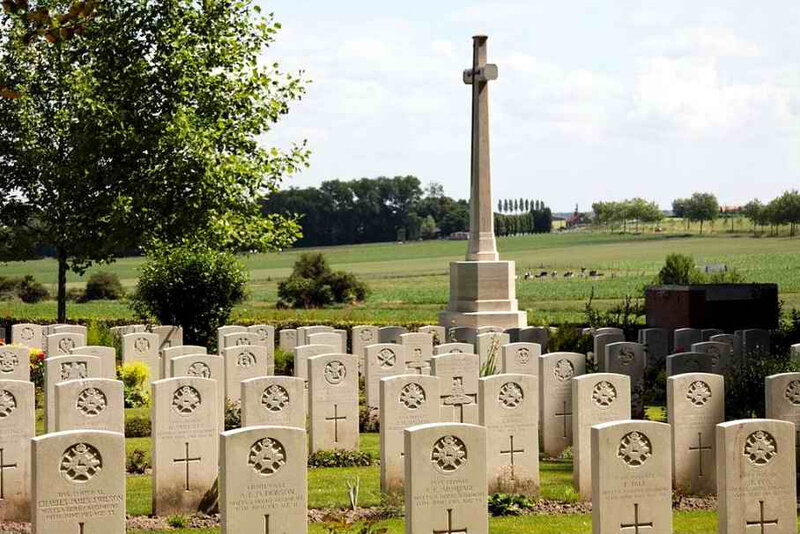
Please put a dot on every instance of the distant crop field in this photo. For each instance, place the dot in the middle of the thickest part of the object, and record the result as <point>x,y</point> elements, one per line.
<point>409,281</point>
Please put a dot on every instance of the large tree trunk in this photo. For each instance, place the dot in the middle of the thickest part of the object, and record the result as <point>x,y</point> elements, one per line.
<point>62,286</point>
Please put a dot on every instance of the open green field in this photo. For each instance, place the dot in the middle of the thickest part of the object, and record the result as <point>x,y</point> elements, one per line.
<point>409,281</point>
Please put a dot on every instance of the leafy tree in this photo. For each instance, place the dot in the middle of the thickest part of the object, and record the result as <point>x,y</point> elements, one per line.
<point>428,228</point>
<point>679,269</point>
<point>702,207</point>
<point>139,122</point>
<point>313,284</point>
<point>499,206</point>
<point>506,206</point>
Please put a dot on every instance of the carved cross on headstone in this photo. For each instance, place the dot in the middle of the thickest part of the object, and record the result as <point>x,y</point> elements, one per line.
<point>266,524</point>
<point>761,523</point>
<point>636,525</point>
<point>511,452</point>
<point>564,413</point>
<point>458,398</point>
<point>700,450</point>
<point>80,526</point>
<point>3,467</point>
<point>336,420</point>
<point>187,460</point>
<point>416,363</point>
<point>482,245</point>
<point>450,529</point>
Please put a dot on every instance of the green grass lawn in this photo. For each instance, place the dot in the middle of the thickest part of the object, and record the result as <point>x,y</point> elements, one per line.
<point>409,281</point>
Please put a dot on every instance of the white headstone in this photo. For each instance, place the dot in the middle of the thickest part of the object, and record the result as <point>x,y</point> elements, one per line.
<point>243,362</point>
<point>173,352</point>
<point>62,344</point>
<point>17,419</point>
<point>274,401</point>
<point>521,358</point>
<point>203,366</point>
<point>89,404</point>
<point>458,394</point>
<point>108,355</point>
<point>15,363</point>
<point>382,360</point>
<point>63,368</point>
<point>333,402</point>
<point>556,370</point>
<point>27,334</point>
<point>142,347</point>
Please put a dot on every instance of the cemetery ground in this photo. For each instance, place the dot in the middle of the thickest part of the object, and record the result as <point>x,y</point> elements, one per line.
<point>409,281</point>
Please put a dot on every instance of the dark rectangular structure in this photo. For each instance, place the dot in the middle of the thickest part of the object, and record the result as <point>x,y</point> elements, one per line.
<point>729,307</point>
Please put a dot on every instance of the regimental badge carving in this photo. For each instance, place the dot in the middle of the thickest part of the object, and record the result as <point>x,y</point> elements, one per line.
<point>699,393</point>
<point>412,396</point>
<point>275,398</point>
<point>141,345</point>
<point>335,372</point>
<point>366,335</point>
<point>564,370</point>
<point>186,400</point>
<point>387,358</point>
<point>8,361</point>
<point>267,456</point>
<point>7,403</point>
<point>634,449</point>
<point>626,356</point>
<point>511,395</point>
<point>244,340</point>
<point>449,454</point>
<point>65,345</point>
<point>91,402</point>
<point>455,351</point>
<point>262,334</point>
<point>200,369</point>
<point>27,333</point>
<point>74,370</point>
<point>245,359</point>
<point>80,463</point>
<point>715,353</point>
<point>760,448</point>
<point>523,356</point>
<point>793,392</point>
<point>604,394</point>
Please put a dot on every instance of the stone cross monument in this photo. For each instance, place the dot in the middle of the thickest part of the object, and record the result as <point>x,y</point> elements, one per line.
<point>483,288</point>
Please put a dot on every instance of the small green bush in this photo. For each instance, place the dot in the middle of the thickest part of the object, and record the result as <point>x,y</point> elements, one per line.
<point>104,286</point>
<point>313,284</point>
<point>744,383</point>
<point>568,338</point>
<point>138,427</point>
<point>136,462</point>
<point>135,377</point>
<point>9,287</point>
<point>503,504</point>
<point>190,286</point>
<point>284,363</point>
<point>178,521</point>
<point>30,291</point>
<point>233,414</point>
<point>340,458</point>
<point>76,294</point>
<point>678,269</point>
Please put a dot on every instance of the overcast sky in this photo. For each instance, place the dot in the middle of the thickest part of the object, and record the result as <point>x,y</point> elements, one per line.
<point>596,100</point>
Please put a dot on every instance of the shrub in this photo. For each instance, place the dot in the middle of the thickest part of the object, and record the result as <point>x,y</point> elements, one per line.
<point>678,269</point>
<point>75,294</point>
<point>193,287</point>
<point>138,427</point>
<point>568,338</point>
<point>136,463</point>
<point>744,383</point>
<point>233,414</point>
<point>502,504</point>
<point>284,363</point>
<point>177,521</point>
<point>98,334</point>
<point>37,358</point>
<point>340,458</point>
<point>313,284</point>
<point>31,291</point>
<point>135,377</point>
<point>9,287</point>
<point>104,286</point>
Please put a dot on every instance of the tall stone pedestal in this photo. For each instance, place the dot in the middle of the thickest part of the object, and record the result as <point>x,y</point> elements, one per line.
<point>483,293</point>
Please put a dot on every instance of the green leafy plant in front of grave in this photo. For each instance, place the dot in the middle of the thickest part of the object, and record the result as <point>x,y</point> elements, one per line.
<point>353,489</point>
<point>137,426</point>
<point>135,378</point>
<point>284,362</point>
<point>99,335</point>
<point>568,338</point>
<point>503,504</point>
<point>340,458</point>
<point>37,358</point>
<point>744,382</point>
<point>136,463</point>
<point>178,521</point>
<point>489,367</point>
<point>233,414</point>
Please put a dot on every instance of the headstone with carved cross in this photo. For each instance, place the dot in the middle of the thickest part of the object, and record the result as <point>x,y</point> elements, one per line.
<point>458,395</point>
<point>27,334</point>
<point>185,437</point>
<point>243,362</point>
<point>629,359</point>
<point>405,401</point>
<point>263,480</point>
<point>419,346</point>
<point>631,482</point>
<point>446,484</point>
<point>203,366</point>
<point>59,369</point>
<point>596,398</point>
<point>274,401</point>
<point>756,488</point>
<point>90,404</point>
<point>78,483</point>
<point>556,370</point>
<point>16,430</point>
<point>509,411</point>
<point>382,360</point>
<point>783,403</point>
<point>521,358</point>
<point>695,405</point>
<point>142,347</point>
<point>333,402</point>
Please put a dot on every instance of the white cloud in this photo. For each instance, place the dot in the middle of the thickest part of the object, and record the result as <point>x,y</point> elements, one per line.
<point>702,41</point>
